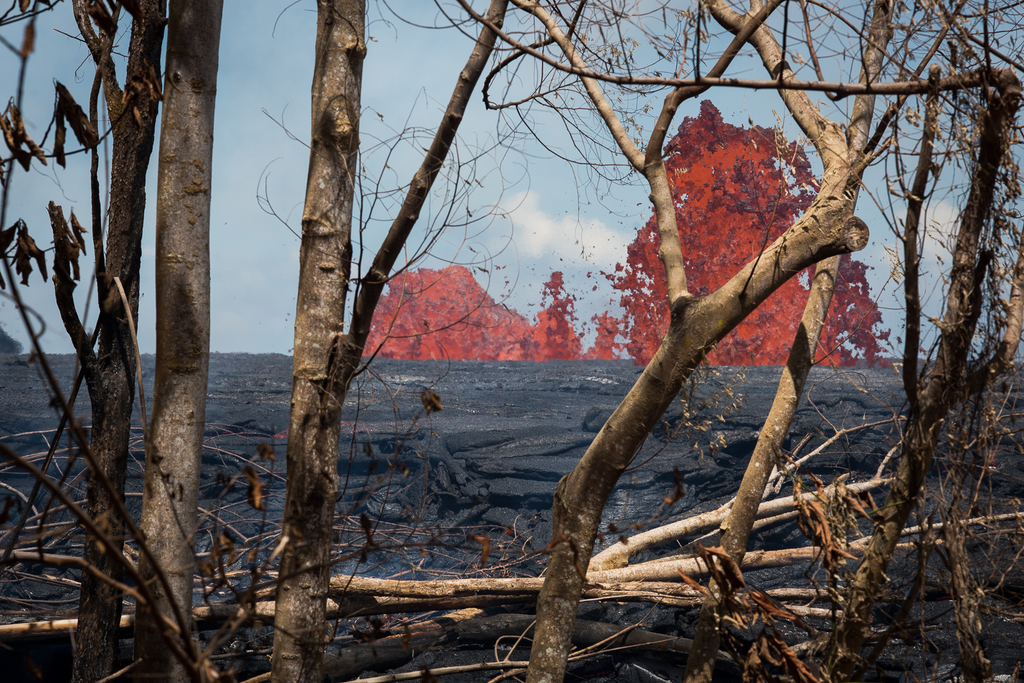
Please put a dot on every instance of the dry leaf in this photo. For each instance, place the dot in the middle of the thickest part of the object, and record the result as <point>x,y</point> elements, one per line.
<point>485,542</point>
<point>797,669</point>
<point>226,545</point>
<point>67,245</point>
<point>772,609</point>
<point>142,82</point>
<point>28,43</point>
<point>729,577</point>
<point>101,16</point>
<point>367,525</point>
<point>255,492</point>
<point>431,401</point>
<point>80,124</point>
<point>25,251</point>
<point>59,137</point>
<point>690,582</point>
<point>79,231</point>
<point>15,136</point>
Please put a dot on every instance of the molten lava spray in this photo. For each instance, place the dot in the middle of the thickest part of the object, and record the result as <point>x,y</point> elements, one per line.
<point>735,190</point>
<point>430,314</point>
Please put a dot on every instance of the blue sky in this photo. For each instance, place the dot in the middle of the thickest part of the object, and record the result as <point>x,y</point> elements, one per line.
<point>546,214</point>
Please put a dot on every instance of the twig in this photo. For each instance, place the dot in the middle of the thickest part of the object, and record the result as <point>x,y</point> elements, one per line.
<point>119,673</point>
<point>776,475</point>
<point>138,357</point>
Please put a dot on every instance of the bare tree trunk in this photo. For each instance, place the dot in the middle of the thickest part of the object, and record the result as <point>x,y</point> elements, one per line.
<point>947,380</point>
<point>325,358</point>
<point>110,371</point>
<point>174,450</point>
<point>318,386</point>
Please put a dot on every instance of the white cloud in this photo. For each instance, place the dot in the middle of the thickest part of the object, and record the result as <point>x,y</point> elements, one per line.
<point>941,220</point>
<point>538,235</point>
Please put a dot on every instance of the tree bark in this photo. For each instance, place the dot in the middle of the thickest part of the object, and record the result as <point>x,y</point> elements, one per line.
<point>174,449</point>
<point>110,371</point>
<point>736,528</point>
<point>318,387</point>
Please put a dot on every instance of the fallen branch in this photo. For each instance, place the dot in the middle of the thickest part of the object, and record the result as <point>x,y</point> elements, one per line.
<point>672,593</point>
<point>617,556</point>
<point>656,581</point>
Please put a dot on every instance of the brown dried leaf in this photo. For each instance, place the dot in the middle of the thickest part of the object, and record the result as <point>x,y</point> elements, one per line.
<point>28,43</point>
<point>205,567</point>
<point>729,577</point>
<point>24,5</point>
<point>766,651</point>
<point>66,247</point>
<point>690,582</point>
<point>772,609</point>
<point>753,669</point>
<point>485,543</point>
<point>26,251</point>
<point>101,16</point>
<point>79,231</point>
<point>678,492</point>
<point>58,141</point>
<point>367,525</point>
<point>266,452</point>
<point>15,136</point>
<point>856,500</point>
<point>226,545</point>
<point>142,82</point>
<point>255,492</point>
<point>800,672</point>
<point>431,401</point>
<point>80,124</point>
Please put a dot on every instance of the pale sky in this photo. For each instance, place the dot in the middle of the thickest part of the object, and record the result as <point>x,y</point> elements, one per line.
<point>561,220</point>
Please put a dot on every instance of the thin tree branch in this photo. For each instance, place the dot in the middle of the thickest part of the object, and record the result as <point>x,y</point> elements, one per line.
<point>604,108</point>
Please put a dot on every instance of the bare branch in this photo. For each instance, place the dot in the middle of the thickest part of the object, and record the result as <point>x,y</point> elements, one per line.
<point>604,108</point>
<point>911,237</point>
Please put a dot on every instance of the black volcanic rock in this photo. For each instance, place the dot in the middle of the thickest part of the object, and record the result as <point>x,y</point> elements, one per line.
<point>488,463</point>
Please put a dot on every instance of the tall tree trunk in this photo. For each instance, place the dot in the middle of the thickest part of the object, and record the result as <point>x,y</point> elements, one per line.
<point>325,359</point>
<point>318,385</point>
<point>175,444</point>
<point>110,371</point>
